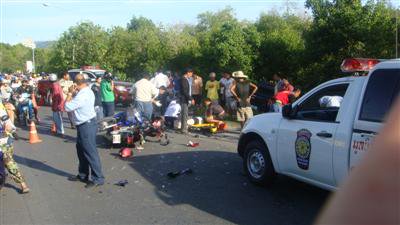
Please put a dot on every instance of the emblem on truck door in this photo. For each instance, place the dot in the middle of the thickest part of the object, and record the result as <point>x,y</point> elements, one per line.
<point>303,148</point>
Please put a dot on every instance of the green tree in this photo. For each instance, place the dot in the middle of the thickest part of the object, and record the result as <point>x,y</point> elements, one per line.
<point>226,44</point>
<point>138,23</point>
<point>14,57</point>
<point>282,45</point>
<point>118,51</point>
<point>346,28</point>
<point>147,52</point>
<point>182,47</point>
<point>83,44</point>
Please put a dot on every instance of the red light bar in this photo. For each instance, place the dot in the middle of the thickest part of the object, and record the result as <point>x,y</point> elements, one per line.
<point>358,64</point>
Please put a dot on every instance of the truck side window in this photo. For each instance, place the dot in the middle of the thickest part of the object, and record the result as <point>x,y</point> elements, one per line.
<point>382,89</point>
<point>323,105</point>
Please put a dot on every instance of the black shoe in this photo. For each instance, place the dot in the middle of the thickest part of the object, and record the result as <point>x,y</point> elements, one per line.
<point>78,178</point>
<point>92,185</point>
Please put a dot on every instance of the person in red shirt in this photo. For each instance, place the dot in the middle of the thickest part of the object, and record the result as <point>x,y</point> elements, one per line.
<point>57,103</point>
<point>279,100</point>
<point>283,98</point>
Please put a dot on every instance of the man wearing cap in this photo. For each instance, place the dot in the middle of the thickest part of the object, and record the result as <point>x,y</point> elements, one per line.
<point>243,90</point>
<point>80,101</point>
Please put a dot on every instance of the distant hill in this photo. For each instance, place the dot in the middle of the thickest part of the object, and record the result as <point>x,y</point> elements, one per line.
<point>44,44</point>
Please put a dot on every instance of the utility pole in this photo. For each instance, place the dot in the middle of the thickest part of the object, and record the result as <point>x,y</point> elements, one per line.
<point>73,55</point>
<point>33,61</point>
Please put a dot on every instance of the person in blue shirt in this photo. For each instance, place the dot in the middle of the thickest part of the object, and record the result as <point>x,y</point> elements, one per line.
<point>80,100</point>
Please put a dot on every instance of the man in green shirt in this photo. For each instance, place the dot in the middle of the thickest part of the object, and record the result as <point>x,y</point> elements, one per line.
<point>107,95</point>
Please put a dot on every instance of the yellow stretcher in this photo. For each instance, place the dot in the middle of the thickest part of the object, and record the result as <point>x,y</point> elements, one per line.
<point>210,127</point>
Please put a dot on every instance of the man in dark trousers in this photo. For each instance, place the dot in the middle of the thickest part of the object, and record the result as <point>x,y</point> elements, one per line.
<point>80,100</point>
<point>186,98</point>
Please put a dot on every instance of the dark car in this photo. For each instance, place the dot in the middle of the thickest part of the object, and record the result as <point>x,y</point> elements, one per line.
<point>260,98</point>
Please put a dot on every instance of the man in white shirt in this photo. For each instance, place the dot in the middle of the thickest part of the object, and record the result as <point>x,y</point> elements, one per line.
<point>145,92</point>
<point>160,80</point>
<point>172,113</point>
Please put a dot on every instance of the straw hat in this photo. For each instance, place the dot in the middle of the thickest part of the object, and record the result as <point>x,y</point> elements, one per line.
<point>239,74</point>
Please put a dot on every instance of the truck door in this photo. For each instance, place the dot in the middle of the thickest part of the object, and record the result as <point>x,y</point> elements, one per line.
<point>381,91</point>
<point>305,143</point>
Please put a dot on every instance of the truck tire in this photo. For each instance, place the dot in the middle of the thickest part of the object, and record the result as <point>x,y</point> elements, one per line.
<point>257,163</point>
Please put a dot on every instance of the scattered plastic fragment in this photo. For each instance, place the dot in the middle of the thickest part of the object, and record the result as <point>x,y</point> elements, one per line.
<point>125,152</point>
<point>192,144</point>
<point>122,183</point>
<point>178,173</point>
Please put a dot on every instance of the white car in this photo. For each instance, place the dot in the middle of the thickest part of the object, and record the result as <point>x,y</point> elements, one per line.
<point>320,143</point>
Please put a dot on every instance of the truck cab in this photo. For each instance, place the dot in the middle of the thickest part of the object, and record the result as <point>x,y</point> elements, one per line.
<point>317,141</point>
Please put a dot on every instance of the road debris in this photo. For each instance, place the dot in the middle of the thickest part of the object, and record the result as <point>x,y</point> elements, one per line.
<point>192,144</point>
<point>178,173</point>
<point>122,183</point>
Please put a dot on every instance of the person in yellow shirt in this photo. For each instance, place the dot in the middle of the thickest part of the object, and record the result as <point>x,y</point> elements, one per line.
<point>212,87</point>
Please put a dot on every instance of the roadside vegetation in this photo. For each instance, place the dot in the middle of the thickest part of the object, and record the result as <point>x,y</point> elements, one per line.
<point>306,49</point>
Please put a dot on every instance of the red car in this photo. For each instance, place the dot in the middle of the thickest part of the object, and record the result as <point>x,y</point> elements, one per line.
<point>122,90</point>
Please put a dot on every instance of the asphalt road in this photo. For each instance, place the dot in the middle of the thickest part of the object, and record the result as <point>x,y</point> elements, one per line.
<point>216,193</point>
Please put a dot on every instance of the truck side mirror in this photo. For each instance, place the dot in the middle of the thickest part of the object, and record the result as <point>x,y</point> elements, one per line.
<point>288,111</point>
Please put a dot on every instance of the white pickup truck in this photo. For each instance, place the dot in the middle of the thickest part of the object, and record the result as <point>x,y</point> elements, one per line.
<point>320,143</point>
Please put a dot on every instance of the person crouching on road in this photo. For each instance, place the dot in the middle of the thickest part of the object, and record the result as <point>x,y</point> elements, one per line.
<point>80,101</point>
<point>7,129</point>
<point>107,95</point>
<point>57,104</point>
<point>145,92</point>
<point>214,112</point>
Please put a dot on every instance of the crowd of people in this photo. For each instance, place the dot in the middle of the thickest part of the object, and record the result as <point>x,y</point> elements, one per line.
<point>173,98</point>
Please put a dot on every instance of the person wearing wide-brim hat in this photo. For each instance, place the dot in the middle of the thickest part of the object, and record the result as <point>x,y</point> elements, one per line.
<point>243,90</point>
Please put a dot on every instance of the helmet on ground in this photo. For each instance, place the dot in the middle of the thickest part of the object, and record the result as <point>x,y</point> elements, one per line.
<point>53,77</point>
<point>125,152</point>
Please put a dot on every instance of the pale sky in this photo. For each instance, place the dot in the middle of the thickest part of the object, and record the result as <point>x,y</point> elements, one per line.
<point>46,20</point>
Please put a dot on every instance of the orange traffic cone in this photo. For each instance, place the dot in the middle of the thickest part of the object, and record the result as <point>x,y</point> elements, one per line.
<point>33,136</point>
<point>53,128</point>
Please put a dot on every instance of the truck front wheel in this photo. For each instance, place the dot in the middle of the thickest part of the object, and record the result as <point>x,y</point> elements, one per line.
<point>257,163</point>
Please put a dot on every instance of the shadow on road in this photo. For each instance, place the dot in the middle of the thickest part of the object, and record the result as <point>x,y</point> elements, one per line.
<point>35,164</point>
<point>218,186</point>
